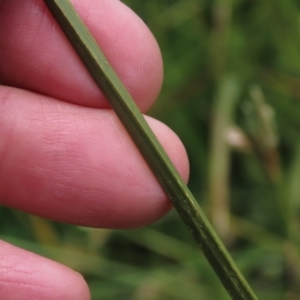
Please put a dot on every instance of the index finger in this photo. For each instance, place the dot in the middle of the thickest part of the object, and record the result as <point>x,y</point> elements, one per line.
<point>35,54</point>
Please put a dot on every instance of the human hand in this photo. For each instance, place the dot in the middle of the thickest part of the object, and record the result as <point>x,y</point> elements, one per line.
<point>64,155</point>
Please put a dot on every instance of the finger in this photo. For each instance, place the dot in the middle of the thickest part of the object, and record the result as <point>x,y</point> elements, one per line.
<point>35,55</point>
<point>25,276</point>
<point>76,164</point>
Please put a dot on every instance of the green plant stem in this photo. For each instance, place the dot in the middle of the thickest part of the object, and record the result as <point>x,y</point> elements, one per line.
<point>154,154</point>
<point>220,155</point>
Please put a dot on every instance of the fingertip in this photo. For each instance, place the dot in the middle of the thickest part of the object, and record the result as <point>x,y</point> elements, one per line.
<point>37,56</point>
<point>24,276</point>
<point>79,165</point>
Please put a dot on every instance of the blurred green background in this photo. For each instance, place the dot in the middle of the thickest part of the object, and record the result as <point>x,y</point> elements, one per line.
<point>232,94</point>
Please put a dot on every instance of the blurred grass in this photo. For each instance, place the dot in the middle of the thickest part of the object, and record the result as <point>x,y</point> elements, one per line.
<point>232,94</point>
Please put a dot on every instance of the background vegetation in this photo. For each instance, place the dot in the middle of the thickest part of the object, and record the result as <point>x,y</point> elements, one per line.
<point>232,93</point>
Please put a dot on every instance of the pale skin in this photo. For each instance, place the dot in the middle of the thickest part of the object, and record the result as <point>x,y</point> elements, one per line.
<point>64,154</point>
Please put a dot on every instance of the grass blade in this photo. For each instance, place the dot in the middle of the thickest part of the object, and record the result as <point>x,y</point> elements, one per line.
<point>159,162</point>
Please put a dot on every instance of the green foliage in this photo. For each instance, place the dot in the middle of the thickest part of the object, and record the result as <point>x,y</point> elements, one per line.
<point>243,145</point>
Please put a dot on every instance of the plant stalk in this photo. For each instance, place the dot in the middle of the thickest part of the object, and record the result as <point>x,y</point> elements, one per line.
<point>152,151</point>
